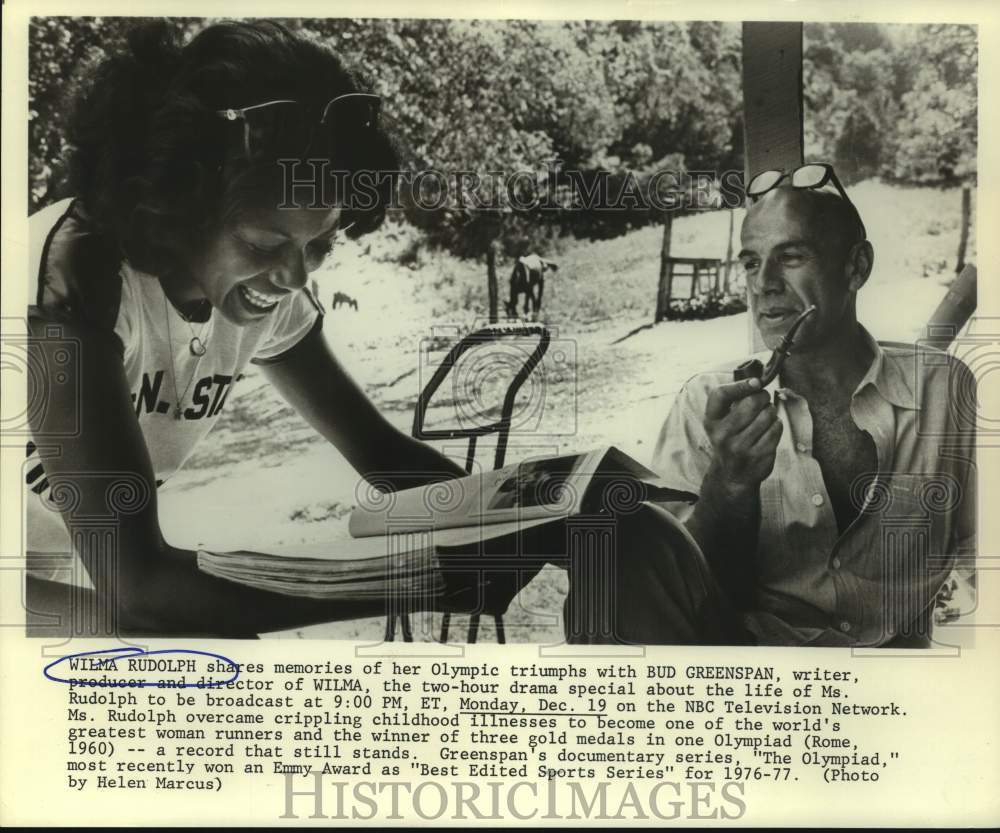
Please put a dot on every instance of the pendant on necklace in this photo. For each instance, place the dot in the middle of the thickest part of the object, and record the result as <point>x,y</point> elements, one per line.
<point>177,411</point>
<point>196,346</point>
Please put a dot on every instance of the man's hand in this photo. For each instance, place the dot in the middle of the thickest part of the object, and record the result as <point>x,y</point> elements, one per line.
<point>744,429</point>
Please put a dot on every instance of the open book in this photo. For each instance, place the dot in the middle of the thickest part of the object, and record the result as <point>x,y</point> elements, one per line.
<point>395,539</point>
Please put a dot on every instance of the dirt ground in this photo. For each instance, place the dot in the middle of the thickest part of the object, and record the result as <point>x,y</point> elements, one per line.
<point>263,479</point>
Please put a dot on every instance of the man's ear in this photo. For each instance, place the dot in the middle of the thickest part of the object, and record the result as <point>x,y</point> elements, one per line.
<point>859,265</point>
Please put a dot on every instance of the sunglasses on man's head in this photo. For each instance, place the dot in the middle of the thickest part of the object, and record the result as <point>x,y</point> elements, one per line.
<point>288,129</point>
<point>811,176</point>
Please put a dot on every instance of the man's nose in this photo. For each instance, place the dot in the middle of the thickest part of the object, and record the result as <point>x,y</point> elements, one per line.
<point>292,275</point>
<point>769,278</point>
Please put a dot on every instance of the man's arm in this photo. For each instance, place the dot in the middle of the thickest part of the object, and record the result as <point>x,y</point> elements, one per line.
<point>153,587</point>
<point>725,523</point>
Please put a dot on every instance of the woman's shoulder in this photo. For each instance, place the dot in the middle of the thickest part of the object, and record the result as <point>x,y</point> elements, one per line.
<point>74,271</point>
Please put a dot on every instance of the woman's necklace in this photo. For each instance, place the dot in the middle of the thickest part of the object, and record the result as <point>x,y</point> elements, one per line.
<point>196,346</point>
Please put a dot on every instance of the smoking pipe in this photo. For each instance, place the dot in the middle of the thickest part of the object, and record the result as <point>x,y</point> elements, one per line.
<point>752,368</point>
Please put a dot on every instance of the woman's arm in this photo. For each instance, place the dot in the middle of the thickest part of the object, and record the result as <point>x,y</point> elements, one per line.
<point>313,382</point>
<point>153,586</point>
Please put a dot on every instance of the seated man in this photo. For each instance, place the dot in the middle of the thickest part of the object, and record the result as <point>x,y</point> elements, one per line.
<point>833,513</point>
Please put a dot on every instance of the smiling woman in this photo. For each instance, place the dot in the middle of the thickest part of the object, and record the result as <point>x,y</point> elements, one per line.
<point>247,268</point>
<point>170,269</point>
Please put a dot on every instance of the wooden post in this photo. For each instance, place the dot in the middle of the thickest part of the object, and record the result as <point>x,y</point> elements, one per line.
<point>772,96</point>
<point>772,104</point>
<point>964,240</point>
<point>666,284</point>
<point>729,252</point>
<point>491,279</point>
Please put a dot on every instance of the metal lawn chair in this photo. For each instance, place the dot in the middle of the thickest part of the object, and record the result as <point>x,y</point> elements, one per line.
<point>501,428</point>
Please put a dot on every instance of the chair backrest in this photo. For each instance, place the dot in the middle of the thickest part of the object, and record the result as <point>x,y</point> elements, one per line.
<point>954,310</point>
<point>501,427</point>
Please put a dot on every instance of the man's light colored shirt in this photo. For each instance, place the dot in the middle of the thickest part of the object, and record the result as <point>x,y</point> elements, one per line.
<point>879,578</point>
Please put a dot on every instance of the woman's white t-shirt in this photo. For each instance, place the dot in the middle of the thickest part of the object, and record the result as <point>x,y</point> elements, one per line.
<point>77,277</point>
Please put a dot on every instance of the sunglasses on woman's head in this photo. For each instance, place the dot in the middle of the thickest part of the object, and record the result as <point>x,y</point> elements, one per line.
<point>811,176</point>
<point>288,129</point>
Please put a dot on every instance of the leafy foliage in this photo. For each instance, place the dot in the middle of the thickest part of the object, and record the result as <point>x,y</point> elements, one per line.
<point>616,98</point>
<point>892,101</point>
<point>936,135</point>
<point>59,47</point>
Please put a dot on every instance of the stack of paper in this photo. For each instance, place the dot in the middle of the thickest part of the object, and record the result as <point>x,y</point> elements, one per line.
<point>342,569</point>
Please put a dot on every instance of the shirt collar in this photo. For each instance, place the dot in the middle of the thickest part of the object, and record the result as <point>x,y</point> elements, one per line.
<point>893,378</point>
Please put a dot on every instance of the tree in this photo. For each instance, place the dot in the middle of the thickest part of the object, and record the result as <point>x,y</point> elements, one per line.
<point>936,138</point>
<point>605,98</point>
<point>848,79</point>
<point>61,50</point>
<point>58,48</point>
<point>896,101</point>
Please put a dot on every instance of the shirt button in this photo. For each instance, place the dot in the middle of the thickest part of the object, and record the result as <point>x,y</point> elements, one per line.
<point>817,499</point>
<point>845,626</point>
<point>836,563</point>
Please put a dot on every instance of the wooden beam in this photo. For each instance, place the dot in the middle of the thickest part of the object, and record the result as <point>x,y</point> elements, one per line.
<point>772,96</point>
<point>772,104</point>
<point>966,216</point>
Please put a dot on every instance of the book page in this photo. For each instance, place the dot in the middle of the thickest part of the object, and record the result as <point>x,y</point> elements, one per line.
<point>531,490</point>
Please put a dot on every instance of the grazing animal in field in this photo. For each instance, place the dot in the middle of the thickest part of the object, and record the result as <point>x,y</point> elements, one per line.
<point>345,299</point>
<point>528,277</point>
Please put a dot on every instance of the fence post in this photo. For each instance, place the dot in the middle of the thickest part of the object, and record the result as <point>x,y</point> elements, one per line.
<point>729,252</point>
<point>666,284</point>
<point>491,279</point>
<point>772,104</point>
<point>964,240</point>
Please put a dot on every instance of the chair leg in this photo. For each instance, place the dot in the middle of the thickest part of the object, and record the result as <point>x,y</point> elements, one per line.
<point>390,627</point>
<point>470,457</point>
<point>445,622</point>
<point>473,629</point>
<point>501,636</point>
<point>404,620</point>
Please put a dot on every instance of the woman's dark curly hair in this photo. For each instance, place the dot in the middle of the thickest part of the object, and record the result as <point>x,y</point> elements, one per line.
<point>156,167</point>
